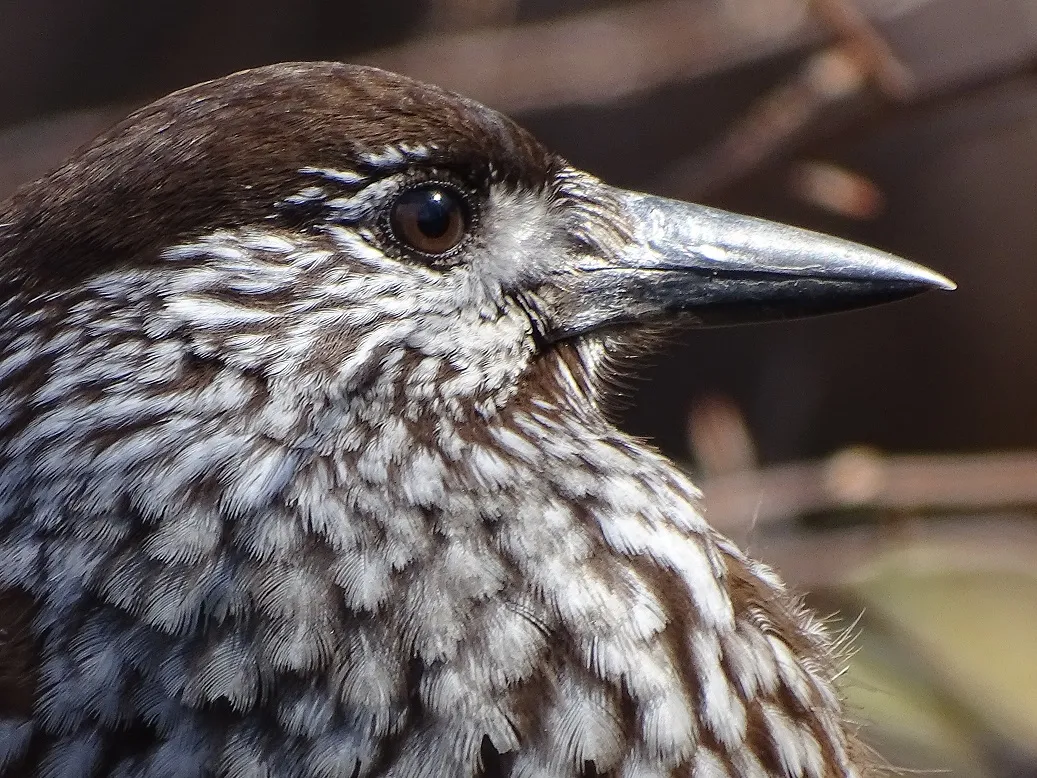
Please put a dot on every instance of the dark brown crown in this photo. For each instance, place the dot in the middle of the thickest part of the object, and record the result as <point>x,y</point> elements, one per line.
<point>220,154</point>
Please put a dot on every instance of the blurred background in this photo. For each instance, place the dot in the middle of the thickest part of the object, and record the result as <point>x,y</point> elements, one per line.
<point>885,460</point>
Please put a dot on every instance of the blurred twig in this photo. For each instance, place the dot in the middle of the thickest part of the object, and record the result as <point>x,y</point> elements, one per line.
<point>719,437</point>
<point>601,55</point>
<point>836,81</point>
<point>862,479</point>
<point>813,560</point>
<point>443,15</point>
<point>775,124</point>
<point>836,76</point>
<point>615,52</point>
<point>836,189</point>
<point>869,48</point>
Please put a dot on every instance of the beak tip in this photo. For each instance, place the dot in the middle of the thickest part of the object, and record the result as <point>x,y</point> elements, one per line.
<point>930,279</point>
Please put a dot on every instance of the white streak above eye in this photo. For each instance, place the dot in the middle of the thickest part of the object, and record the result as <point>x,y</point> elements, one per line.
<point>347,177</point>
<point>390,155</point>
<point>309,194</point>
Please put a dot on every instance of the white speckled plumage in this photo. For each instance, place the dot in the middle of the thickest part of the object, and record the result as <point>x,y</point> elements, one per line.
<point>287,504</point>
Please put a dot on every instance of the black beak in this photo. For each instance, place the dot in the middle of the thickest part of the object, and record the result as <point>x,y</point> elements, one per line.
<point>716,268</point>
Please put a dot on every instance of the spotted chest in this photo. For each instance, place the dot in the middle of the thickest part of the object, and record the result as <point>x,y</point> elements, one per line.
<point>400,605</point>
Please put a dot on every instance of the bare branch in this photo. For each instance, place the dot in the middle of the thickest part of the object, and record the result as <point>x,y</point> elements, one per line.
<point>813,560</point>
<point>862,479</point>
<point>603,55</point>
<point>617,52</point>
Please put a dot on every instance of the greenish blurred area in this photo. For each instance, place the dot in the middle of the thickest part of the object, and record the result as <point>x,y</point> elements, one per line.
<point>944,672</point>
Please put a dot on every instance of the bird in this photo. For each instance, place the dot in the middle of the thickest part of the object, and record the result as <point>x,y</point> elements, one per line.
<point>309,468</point>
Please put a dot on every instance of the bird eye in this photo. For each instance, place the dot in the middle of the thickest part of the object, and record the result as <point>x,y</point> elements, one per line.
<point>431,219</point>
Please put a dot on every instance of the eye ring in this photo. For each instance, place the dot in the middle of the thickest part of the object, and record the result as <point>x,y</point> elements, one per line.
<point>432,219</point>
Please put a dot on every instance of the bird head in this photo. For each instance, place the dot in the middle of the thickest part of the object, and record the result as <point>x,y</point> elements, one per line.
<point>344,232</point>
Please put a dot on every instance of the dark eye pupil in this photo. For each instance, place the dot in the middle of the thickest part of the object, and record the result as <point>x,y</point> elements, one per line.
<point>431,219</point>
<point>433,212</point>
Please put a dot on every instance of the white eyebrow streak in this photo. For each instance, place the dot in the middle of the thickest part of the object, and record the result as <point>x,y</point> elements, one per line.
<point>355,205</point>
<point>309,194</point>
<point>396,155</point>
<point>347,177</point>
